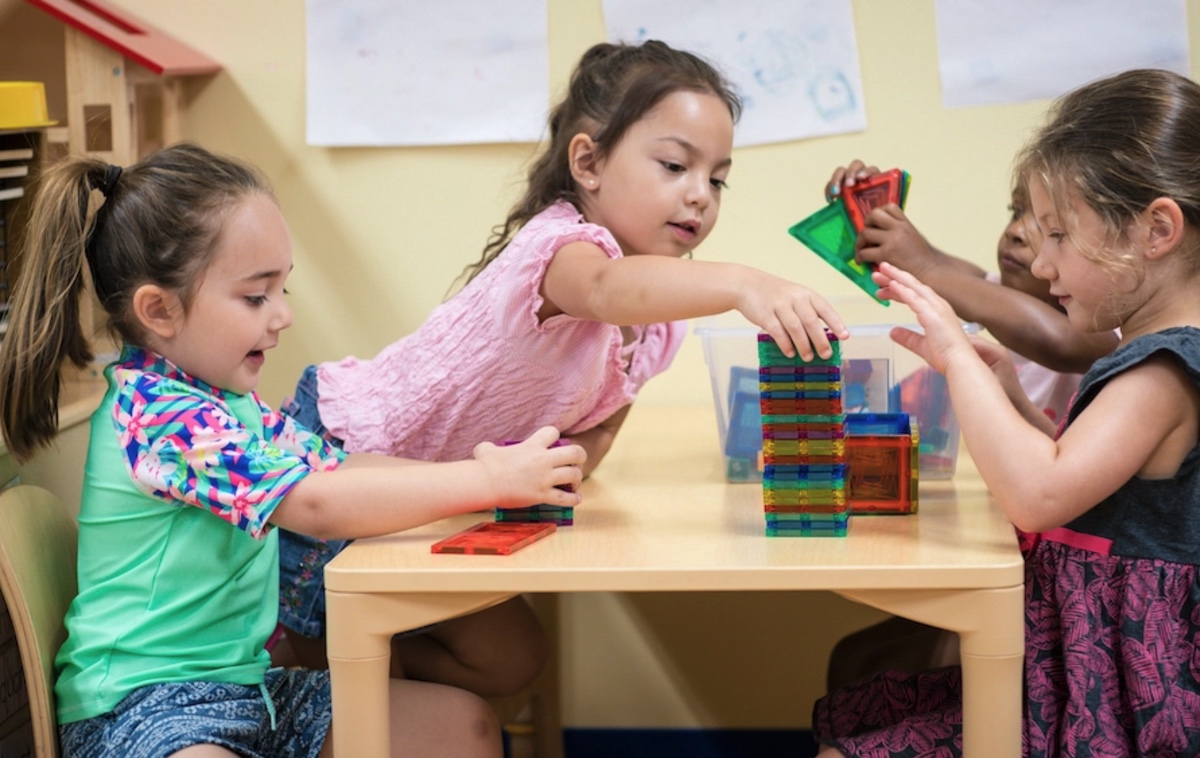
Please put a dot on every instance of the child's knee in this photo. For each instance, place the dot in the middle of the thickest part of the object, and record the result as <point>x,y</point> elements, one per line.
<point>525,662</point>
<point>481,719</point>
<point>442,720</point>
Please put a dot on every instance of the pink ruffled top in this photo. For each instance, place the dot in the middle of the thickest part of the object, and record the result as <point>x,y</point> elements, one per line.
<point>483,367</point>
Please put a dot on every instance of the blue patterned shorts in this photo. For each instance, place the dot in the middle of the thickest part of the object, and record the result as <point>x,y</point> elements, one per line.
<point>302,558</point>
<point>288,716</point>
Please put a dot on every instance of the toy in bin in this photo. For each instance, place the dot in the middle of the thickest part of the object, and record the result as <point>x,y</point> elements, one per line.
<point>832,231</point>
<point>877,378</point>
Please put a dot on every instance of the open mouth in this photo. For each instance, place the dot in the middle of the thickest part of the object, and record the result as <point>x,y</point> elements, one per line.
<point>690,227</point>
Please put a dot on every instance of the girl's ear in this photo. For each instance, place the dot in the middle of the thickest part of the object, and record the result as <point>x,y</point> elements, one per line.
<point>1165,227</point>
<point>160,311</point>
<point>584,160</point>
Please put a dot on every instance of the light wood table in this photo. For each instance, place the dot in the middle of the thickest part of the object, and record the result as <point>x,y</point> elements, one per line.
<point>658,516</point>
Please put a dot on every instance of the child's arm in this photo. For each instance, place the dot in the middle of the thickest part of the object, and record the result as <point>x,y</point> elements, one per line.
<point>583,282</point>
<point>1019,321</point>
<point>1142,423</point>
<point>369,495</point>
<point>1000,364</point>
<point>889,235</point>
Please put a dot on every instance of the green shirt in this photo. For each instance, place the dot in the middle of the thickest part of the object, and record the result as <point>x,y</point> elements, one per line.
<point>178,568</point>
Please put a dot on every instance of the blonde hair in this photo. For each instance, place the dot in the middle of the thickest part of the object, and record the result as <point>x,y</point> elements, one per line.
<point>157,224</point>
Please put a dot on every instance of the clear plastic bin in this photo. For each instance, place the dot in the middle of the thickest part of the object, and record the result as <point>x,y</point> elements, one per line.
<point>878,377</point>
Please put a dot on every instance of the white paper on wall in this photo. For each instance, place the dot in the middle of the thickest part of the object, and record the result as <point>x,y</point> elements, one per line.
<point>795,62</point>
<point>1004,51</point>
<point>451,72</point>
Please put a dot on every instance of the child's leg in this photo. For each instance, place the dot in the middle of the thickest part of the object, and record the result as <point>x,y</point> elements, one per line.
<point>433,719</point>
<point>493,652</point>
<point>203,751</point>
<point>896,643</point>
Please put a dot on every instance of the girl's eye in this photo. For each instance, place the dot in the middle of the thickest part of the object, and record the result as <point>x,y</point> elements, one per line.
<point>1057,236</point>
<point>674,168</point>
<point>256,300</point>
<point>718,184</point>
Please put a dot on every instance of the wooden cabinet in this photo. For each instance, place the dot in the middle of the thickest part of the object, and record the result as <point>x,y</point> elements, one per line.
<point>17,152</point>
<point>23,152</point>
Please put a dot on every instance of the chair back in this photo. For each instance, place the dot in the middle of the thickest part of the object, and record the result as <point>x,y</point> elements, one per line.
<point>37,581</point>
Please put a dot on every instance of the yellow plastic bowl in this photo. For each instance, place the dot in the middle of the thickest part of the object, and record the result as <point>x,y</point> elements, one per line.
<point>23,105</point>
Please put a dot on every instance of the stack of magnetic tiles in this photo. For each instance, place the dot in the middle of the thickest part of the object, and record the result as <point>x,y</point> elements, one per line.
<point>804,443</point>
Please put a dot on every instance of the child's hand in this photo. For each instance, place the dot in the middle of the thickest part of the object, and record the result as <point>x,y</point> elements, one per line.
<point>792,314</point>
<point>533,472</point>
<point>889,236</point>
<point>944,339</point>
<point>846,177</point>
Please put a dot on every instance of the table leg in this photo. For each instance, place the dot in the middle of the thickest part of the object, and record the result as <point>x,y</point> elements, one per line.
<point>360,627</point>
<point>991,628</point>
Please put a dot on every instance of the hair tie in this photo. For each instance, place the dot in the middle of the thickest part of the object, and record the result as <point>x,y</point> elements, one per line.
<point>109,181</point>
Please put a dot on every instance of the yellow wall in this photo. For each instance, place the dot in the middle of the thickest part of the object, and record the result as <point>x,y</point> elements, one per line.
<point>381,233</point>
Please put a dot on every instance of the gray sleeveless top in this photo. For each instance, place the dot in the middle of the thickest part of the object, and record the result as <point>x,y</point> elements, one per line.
<point>1158,518</point>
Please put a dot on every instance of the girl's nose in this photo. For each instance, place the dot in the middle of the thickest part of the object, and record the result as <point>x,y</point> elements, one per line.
<point>283,317</point>
<point>1016,233</point>
<point>699,193</point>
<point>1041,268</point>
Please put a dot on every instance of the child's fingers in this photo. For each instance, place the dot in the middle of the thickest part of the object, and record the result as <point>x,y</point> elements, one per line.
<point>846,177</point>
<point>569,455</point>
<point>819,341</point>
<point>908,339</point>
<point>830,318</point>
<point>805,329</point>
<point>544,437</point>
<point>808,340</point>
<point>895,273</point>
<point>901,285</point>
<point>567,481</point>
<point>885,217</point>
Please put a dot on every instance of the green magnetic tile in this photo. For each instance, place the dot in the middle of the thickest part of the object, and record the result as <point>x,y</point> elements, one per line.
<point>838,531</point>
<point>800,418</point>
<point>784,519</point>
<point>770,355</point>
<point>829,234</point>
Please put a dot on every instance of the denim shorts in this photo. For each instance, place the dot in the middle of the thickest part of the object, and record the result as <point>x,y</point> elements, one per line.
<point>302,558</point>
<point>288,715</point>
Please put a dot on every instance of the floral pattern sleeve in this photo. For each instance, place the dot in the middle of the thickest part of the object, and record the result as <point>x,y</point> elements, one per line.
<point>182,443</point>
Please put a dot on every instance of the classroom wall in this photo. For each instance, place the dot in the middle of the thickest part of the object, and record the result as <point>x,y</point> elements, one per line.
<point>380,234</point>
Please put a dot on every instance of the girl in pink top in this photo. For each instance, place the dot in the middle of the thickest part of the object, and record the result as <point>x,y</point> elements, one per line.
<point>578,299</point>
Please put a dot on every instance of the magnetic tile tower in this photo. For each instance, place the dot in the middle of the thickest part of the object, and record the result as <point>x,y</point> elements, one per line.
<point>804,443</point>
